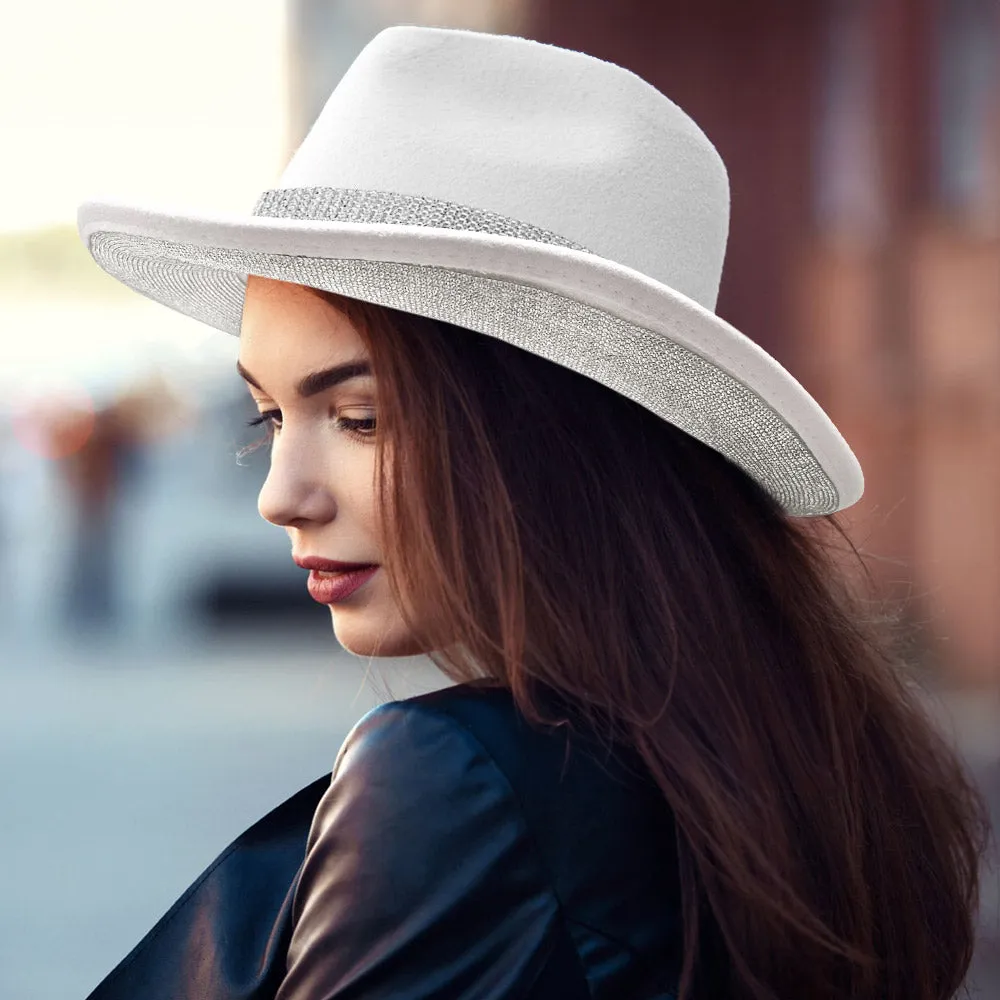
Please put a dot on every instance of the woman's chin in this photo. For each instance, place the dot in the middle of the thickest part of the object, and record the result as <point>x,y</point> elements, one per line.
<point>372,636</point>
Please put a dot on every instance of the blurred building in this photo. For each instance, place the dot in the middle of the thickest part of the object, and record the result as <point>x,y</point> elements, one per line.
<point>863,144</point>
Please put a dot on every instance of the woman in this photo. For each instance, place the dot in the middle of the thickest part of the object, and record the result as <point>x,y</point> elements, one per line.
<point>477,318</point>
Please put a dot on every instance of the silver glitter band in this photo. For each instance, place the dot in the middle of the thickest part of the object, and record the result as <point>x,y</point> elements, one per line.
<point>388,208</point>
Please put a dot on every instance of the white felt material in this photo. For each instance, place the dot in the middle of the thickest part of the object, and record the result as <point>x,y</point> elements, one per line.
<point>556,138</point>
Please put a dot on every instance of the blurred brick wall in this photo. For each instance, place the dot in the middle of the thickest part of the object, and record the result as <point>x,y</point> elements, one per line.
<point>955,288</point>
<point>888,312</point>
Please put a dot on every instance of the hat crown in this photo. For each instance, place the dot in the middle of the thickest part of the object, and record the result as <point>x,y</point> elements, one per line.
<point>541,135</point>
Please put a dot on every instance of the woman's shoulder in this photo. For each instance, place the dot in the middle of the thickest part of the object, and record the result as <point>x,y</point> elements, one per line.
<point>541,763</point>
<point>601,836</point>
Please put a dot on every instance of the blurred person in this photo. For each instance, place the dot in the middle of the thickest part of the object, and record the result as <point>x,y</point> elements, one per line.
<point>91,472</point>
<point>508,431</point>
<point>105,461</point>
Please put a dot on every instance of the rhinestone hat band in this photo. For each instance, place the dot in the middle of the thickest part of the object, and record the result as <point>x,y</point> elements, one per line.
<point>389,208</point>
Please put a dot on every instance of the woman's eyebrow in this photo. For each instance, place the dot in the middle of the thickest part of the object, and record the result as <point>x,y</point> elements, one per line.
<point>316,382</point>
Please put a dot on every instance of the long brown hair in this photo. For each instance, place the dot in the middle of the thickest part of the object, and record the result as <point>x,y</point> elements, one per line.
<point>542,530</point>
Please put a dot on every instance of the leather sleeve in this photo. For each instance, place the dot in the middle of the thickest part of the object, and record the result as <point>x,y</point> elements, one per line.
<point>420,878</point>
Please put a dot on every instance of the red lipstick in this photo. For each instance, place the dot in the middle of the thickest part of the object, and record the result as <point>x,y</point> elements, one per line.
<point>331,581</point>
<point>338,586</point>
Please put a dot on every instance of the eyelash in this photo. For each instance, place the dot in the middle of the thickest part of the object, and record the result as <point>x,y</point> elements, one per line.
<point>352,426</point>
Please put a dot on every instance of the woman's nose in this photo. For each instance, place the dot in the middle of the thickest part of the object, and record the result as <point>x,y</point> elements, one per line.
<point>294,491</point>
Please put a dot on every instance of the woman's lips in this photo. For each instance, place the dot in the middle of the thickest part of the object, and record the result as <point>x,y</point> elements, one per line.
<point>334,587</point>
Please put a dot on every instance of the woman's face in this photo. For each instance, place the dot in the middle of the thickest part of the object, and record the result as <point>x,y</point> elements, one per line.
<point>320,487</point>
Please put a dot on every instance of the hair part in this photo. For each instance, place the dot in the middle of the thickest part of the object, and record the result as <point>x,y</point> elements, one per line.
<point>545,532</point>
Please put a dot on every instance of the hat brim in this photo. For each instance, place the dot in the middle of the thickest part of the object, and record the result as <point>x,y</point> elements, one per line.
<point>601,319</point>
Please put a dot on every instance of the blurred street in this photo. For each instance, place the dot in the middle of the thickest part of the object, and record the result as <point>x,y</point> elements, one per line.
<point>127,769</point>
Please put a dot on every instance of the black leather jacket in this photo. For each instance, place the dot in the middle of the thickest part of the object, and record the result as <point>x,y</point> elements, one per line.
<point>457,852</point>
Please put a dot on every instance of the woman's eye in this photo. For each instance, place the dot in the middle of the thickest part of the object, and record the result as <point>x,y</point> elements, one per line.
<point>359,428</point>
<point>266,415</point>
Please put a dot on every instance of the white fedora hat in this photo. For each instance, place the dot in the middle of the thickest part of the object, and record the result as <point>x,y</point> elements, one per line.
<point>527,192</point>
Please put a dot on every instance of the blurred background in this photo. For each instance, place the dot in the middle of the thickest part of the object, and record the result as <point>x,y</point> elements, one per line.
<point>164,677</point>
